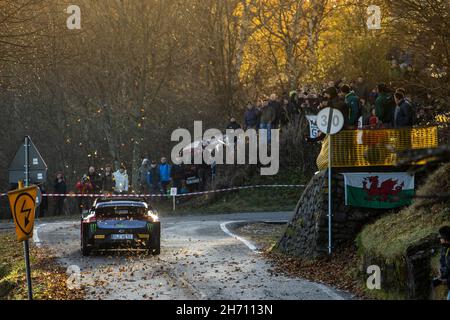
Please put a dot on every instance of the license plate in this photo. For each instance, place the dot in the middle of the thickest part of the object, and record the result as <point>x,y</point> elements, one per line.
<point>122,237</point>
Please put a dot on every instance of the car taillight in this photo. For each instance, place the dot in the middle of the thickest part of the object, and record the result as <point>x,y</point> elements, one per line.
<point>90,220</point>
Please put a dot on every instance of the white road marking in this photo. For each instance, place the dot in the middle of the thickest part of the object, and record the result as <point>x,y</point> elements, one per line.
<point>250,245</point>
<point>333,295</point>
<point>322,287</point>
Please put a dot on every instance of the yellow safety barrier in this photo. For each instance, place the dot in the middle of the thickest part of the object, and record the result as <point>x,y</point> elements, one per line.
<point>377,147</point>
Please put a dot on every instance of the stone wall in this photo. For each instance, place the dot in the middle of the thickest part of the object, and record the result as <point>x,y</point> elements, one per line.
<point>307,233</point>
<point>406,277</point>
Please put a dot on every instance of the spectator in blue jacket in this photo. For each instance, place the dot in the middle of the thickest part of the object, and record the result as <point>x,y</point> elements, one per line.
<point>164,174</point>
<point>251,117</point>
<point>403,111</point>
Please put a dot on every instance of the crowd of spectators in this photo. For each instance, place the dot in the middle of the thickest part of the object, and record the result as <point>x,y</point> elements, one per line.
<point>361,105</point>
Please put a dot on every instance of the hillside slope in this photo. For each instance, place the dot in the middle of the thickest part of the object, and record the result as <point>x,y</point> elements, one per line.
<point>402,243</point>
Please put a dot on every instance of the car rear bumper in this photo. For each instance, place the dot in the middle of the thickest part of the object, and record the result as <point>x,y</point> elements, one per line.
<point>119,244</point>
<point>104,238</point>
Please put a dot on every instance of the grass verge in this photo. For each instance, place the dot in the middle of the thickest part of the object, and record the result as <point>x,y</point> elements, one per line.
<point>48,278</point>
<point>264,235</point>
<point>245,200</point>
<point>256,200</point>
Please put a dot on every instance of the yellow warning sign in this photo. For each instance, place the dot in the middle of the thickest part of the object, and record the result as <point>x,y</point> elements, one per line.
<point>23,204</point>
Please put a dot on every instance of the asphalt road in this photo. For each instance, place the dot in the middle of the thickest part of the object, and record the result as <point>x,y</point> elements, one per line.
<point>198,260</point>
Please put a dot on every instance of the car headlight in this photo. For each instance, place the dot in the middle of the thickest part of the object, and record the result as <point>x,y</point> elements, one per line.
<point>153,216</point>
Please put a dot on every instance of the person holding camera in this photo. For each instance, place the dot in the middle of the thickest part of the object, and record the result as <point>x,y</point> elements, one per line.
<point>95,179</point>
<point>444,235</point>
<point>84,186</point>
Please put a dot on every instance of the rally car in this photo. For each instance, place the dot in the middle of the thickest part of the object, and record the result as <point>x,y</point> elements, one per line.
<point>117,223</point>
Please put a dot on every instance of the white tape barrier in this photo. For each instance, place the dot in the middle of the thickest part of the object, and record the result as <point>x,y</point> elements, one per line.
<point>132,195</point>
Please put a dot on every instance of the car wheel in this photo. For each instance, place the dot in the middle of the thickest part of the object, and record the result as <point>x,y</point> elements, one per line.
<point>155,243</point>
<point>154,247</point>
<point>85,249</point>
<point>157,251</point>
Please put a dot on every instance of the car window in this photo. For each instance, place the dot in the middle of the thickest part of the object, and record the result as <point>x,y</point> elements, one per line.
<point>111,212</point>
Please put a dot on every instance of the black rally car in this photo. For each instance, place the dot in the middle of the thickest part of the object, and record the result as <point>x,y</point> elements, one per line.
<point>117,223</point>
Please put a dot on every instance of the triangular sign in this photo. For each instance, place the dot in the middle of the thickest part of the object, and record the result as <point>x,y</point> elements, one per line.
<point>37,165</point>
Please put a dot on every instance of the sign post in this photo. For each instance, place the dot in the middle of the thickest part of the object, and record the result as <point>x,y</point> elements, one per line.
<point>26,248</point>
<point>330,121</point>
<point>330,207</point>
<point>22,201</point>
<point>173,193</point>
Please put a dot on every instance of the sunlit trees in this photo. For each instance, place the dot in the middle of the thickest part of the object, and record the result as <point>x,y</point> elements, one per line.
<point>348,48</point>
<point>424,28</point>
<point>286,37</point>
<point>114,90</point>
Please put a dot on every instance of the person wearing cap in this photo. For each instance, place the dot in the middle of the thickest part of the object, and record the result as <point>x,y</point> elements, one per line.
<point>233,125</point>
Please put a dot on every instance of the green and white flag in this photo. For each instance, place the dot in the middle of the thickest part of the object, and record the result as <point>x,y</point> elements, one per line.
<point>379,190</point>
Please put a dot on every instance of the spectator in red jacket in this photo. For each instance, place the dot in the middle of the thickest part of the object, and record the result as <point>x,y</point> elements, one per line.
<point>84,186</point>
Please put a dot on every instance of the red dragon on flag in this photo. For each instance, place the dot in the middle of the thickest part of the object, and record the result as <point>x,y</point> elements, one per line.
<point>384,192</point>
<point>379,190</point>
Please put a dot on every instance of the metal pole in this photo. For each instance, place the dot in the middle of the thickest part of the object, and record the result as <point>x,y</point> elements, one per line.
<point>174,201</point>
<point>329,196</point>
<point>27,266</point>
<point>27,163</point>
<point>26,248</point>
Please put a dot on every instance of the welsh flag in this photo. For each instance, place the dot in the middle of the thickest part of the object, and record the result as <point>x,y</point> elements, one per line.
<point>379,190</point>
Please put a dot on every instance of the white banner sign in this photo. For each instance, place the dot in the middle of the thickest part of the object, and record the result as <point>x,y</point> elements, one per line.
<point>313,128</point>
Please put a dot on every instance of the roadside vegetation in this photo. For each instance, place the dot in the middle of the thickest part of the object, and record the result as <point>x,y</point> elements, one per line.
<point>48,278</point>
<point>252,200</point>
<point>263,235</point>
<point>391,235</point>
<point>245,200</point>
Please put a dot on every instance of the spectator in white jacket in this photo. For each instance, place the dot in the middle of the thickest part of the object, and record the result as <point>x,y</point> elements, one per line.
<point>121,179</point>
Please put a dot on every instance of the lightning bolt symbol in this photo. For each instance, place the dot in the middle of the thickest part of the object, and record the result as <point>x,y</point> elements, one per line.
<point>27,212</point>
